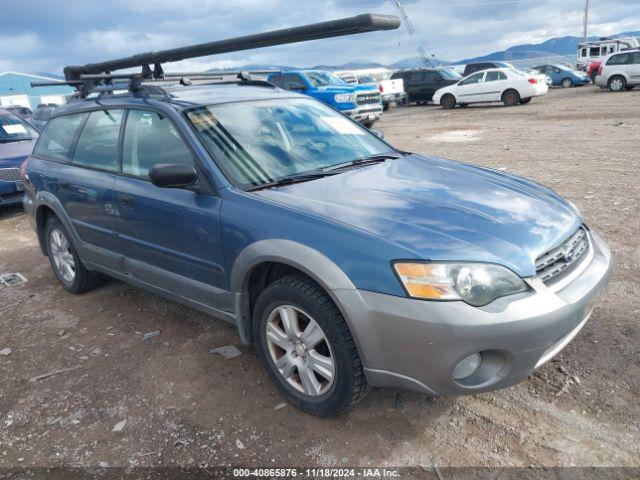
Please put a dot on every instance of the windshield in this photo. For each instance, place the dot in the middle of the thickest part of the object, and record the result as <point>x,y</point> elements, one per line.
<point>563,68</point>
<point>450,75</point>
<point>366,79</point>
<point>15,129</point>
<point>264,141</point>
<point>322,79</point>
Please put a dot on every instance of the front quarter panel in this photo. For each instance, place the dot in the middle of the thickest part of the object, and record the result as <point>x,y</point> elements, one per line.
<point>256,229</point>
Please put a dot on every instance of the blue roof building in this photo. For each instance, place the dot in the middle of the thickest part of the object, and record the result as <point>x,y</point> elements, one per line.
<point>16,89</point>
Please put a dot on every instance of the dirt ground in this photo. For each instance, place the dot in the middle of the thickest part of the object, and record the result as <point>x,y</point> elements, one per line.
<point>185,406</point>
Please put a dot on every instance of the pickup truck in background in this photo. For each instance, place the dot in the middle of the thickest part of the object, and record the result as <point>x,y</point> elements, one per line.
<point>363,103</point>
<point>391,89</point>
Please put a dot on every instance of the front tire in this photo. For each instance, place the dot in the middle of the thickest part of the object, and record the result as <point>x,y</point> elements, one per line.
<point>510,98</point>
<point>306,347</point>
<point>448,101</point>
<point>65,262</point>
<point>617,84</point>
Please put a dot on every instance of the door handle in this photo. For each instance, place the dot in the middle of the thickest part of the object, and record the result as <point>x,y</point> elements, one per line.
<point>63,183</point>
<point>126,201</point>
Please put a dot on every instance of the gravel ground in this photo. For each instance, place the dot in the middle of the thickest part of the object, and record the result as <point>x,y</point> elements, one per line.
<point>184,406</point>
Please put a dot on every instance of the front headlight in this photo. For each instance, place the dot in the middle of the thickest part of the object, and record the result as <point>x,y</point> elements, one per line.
<point>477,284</point>
<point>345,98</point>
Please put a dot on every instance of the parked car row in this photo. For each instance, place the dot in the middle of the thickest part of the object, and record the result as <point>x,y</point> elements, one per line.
<point>17,138</point>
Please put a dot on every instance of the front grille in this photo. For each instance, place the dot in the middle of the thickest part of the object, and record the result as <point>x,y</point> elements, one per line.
<point>10,174</point>
<point>368,98</point>
<point>561,260</point>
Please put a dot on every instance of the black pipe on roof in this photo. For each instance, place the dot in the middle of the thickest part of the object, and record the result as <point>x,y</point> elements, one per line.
<point>334,28</point>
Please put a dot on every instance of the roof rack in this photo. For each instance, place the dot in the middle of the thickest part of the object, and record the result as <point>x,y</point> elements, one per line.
<point>98,77</point>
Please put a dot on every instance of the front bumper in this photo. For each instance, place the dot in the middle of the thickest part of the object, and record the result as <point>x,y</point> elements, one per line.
<point>11,193</point>
<point>366,113</point>
<point>414,344</point>
<point>398,97</point>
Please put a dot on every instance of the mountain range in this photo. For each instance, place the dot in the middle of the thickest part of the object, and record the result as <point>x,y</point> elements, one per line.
<point>558,49</point>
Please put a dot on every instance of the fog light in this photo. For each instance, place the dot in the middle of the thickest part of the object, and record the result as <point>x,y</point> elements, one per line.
<point>467,366</point>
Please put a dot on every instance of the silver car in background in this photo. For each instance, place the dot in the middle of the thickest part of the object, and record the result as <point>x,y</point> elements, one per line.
<point>620,71</point>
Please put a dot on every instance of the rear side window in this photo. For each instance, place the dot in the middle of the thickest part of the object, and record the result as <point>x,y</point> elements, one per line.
<point>150,138</point>
<point>57,139</point>
<point>276,80</point>
<point>636,58</point>
<point>495,76</point>
<point>98,143</point>
<point>621,59</point>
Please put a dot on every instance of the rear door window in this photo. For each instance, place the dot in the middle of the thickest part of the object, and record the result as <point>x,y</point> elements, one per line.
<point>416,77</point>
<point>98,143</point>
<point>495,76</point>
<point>621,59</point>
<point>292,81</point>
<point>151,138</point>
<point>431,77</point>
<point>636,58</point>
<point>57,139</point>
<point>276,80</point>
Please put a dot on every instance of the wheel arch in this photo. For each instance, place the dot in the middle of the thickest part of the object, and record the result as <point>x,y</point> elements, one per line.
<point>46,206</point>
<point>265,261</point>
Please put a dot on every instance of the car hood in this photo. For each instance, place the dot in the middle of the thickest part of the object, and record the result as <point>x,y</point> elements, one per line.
<point>437,209</point>
<point>14,153</point>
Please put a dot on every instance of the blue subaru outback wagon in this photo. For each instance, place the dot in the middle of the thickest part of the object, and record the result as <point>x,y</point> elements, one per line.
<point>345,261</point>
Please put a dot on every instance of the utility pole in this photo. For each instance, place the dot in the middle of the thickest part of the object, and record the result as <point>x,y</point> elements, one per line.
<point>585,28</point>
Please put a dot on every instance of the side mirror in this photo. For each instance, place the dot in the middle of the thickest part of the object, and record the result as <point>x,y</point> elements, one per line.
<point>377,133</point>
<point>173,175</point>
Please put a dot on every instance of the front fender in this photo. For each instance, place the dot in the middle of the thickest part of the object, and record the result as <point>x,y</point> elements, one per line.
<point>301,257</point>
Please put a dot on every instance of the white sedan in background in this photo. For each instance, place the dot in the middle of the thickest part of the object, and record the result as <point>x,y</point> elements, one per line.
<point>506,85</point>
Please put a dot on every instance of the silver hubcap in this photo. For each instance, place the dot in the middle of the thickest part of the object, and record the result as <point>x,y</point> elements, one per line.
<point>616,84</point>
<point>300,350</point>
<point>62,256</point>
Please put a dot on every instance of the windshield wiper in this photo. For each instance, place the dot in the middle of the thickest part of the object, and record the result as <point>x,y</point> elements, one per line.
<point>303,177</point>
<point>376,158</point>
<point>14,140</point>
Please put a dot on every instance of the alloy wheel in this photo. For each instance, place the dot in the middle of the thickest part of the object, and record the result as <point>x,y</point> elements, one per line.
<point>62,257</point>
<point>616,84</point>
<point>300,350</point>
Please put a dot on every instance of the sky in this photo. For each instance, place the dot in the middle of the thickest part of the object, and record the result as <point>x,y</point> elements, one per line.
<point>46,35</point>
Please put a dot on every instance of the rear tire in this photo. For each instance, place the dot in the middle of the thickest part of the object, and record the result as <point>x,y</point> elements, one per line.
<point>567,83</point>
<point>282,318</point>
<point>448,101</point>
<point>617,84</point>
<point>510,98</point>
<point>65,262</point>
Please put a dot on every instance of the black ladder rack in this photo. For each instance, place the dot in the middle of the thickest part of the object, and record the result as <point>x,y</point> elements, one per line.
<point>98,77</point>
